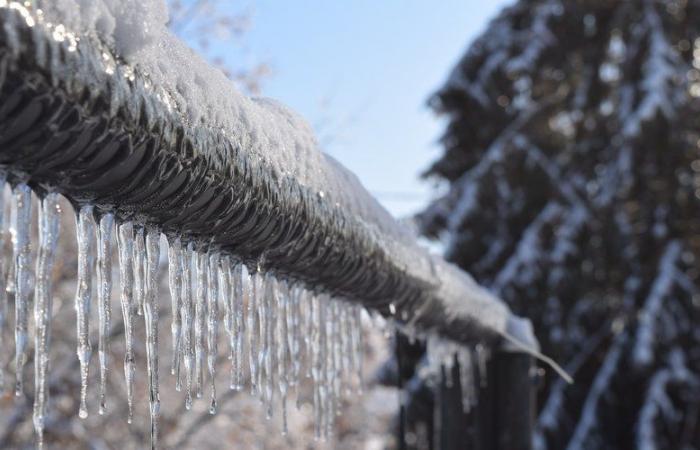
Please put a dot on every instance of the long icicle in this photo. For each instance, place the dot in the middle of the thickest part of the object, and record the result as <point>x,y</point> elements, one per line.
<point>283,348</point>
<point>3,274</point>
<point>270,356</point>
<point>200,269</point>
<point>22,206</point>
<point>239,327</point>
<point>212,325</point>
<point>126,275</point>
<point>49,225</point>
<point>253,330</point>
<point>226,294</point>
<point>175,284</point>
<point>139,269</point>
<point>104,294</point>
<point>150,310</point>
<point>83,298</point>
<point>187,316</point>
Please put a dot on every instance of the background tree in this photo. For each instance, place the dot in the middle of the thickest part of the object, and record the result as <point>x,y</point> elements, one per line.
<point>573,169</point>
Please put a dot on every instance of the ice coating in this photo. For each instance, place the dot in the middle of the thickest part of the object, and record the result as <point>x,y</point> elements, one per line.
<point>150,313</point>
<point>213,268</point>
<point>3,274</point>
<point>187,312</point>
<point>125,243</point>
<point>86,231</point>
<point>104,291</point>
<point>49,226</point>
<point>21,248</point>
<point>175,284</point>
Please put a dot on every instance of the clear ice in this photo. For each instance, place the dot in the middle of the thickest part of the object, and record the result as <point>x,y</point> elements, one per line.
<point>86,231</point>
<point>49,223</point>
<point>126,276</point>
<point>104,293</point>
<point>21,247</point>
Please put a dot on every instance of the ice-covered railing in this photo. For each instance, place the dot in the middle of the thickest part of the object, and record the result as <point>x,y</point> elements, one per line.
<point>107,109</point>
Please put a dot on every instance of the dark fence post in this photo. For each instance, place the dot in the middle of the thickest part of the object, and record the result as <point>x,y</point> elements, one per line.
<point>514,399</point>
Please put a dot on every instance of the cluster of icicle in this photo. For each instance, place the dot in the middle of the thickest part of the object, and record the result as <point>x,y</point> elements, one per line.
<point>443,354</point>
<point>283,326</point>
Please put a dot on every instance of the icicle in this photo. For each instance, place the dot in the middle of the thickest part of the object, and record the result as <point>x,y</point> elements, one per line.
<point>201,261</point>
<point>3,274</point>
<point>316,362</point>
<point>139,269</point>
<point>86,231</point>
<point>126,274</point>
<point>188,257</point>
<point>346,326</point>
<point>226,293</point>
<point>482,357</point>
<point>293,333</point>
<point>253,331</point>
<point>310,303</point>
<point>283,348</point>
<point>355,314</point>
<point>150,309</point>
<point>306,342</point>
<point>49,223</point>
<point>175,285</point>
<point>466,380</point>
<point>22,207</point>
<point>239,324</point>
<point>269,355</point>
<point>104,293</point>
<point>212,325</point>
<point>337,357</point>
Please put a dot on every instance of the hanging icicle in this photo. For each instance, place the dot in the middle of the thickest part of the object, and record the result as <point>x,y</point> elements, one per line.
<point>3,275</point>
<point>150,309</point>
<point>212,324</point>
<point>188,257</point>
<point>104,293</point>
<point>201,261</point>
<point>49,223</point>
<point>126,276</point>
<point>239,326</point>
<point>22,214</point>
<point>282,338</point>
<point>253,331</point>
<point>139,268</point>
<point>86,232</point>
<point>175,285</point>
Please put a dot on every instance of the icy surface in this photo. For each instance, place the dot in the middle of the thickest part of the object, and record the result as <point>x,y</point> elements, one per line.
<point>21,247</point>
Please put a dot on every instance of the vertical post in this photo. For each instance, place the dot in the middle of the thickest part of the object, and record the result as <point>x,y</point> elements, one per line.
<point>512,374</point>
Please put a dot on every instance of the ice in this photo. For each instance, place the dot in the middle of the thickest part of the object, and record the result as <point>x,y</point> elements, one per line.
<point>213,268</point>
<point>201,262</point>
<point>175,285</point>
<point>239,315</point>
<point>85,235</point>
<point>253,330</point>
<point>139,269</point>
<point>49,223</point>
<point>226,293</point>
<point>3,274</point>
<point>282,338</point>
<point>125,243</point>
<point>269,352</point>
<point>150,309</point>
<point>188,257</point>
<point>21,247</point>
<point>104,291</point>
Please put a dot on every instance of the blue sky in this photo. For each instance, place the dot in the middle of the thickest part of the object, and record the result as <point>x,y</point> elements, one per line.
<point>360,72</point>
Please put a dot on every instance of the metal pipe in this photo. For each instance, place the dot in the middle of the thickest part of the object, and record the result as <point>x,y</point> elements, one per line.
<point>76,120</point>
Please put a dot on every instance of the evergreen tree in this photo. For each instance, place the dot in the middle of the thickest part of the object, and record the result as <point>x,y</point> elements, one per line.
<point>572,160</point>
